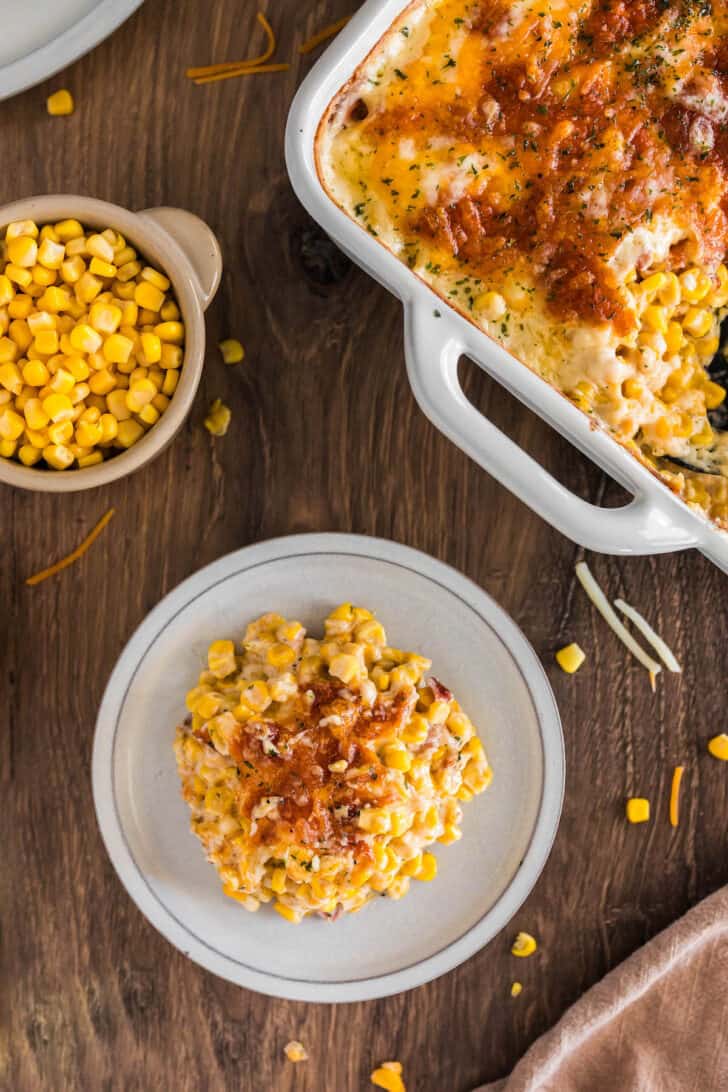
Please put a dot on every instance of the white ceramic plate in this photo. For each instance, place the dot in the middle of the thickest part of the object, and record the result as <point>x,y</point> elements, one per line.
<point>389,946</point>
<point>39,37</point>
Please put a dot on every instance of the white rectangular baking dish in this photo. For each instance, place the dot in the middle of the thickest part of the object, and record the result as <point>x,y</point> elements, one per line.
<point>436,336</point>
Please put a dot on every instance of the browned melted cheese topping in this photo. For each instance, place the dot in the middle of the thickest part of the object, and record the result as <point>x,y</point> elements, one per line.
<point>575,122</point>
<point>290,759</point>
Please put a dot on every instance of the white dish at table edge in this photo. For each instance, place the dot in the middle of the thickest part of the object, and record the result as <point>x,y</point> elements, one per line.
<point>54,53</point>
<point>388,946</point>
<point>436,336</point>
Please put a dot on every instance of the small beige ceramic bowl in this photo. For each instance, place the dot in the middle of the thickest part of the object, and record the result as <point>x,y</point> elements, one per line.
<point>185,249</point>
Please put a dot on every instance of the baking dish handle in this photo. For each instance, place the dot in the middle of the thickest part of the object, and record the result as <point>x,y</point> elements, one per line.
<point>432,353</point>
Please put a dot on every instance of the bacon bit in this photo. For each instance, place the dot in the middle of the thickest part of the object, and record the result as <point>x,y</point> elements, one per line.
<point>327,32</point>
<point>74,555</point>
<point>440,691</point>
<point>227,69</point>
<point>675,795</point>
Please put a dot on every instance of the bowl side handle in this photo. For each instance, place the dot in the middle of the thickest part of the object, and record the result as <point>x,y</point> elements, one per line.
<point>640,527</point>
<point>198,243</point>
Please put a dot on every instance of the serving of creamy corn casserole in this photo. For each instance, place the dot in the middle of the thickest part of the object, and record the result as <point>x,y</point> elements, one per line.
<point>557,170</point>
<point>319,771</point>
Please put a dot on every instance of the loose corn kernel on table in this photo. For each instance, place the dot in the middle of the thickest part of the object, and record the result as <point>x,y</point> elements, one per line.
<point>323,435</point>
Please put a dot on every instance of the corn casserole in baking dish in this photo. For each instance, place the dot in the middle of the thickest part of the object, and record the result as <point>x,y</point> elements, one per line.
<point>558,172</point>
<point>318,772</point>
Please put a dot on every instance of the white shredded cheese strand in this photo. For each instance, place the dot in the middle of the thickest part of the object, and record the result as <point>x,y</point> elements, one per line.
<point>603,605</point>
<point>663,651</point>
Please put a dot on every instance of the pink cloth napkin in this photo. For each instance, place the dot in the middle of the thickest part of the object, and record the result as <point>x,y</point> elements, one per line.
<point>657,1023</point>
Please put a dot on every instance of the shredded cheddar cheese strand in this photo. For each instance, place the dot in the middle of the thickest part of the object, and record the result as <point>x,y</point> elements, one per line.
<point>602,604</point>
<point>663,651</point>
<point>229,66</point>
<point>327,32</point>
<point>675,795</point>
<point>241,71</point>
<point>74,555</point>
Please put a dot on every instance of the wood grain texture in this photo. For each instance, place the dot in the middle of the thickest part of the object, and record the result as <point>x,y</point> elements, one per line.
<point>325,436</point>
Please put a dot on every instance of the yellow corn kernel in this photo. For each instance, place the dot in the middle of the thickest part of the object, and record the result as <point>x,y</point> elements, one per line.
<point>704,437</point>
<point>524,945</point>
<point>37,437</point>
<point>92,459</point>
<point>128,433</point>
<point>153,276</point>
<point>60,432</point>
<point>50,254</point>
<point>173,332</point>
<point>516,989</point>
<point>85,339</point>
<point>68,229</point>
<point>674,338</point>
<point>218,800</point>
<point>62,382</point>
<point>99,268</point>
<point>9,350</point>
<point>60,104</point>
<point>116,403</point>
<point>653,284</point>
<point>295,1051</point>
<point>232,351</point>
<point>171,357</point>
<point>695,285</point>
<point>278,880</point>
<point>345,667</point>
<point>35,416</point>
<point>638,809</point>
<point>417,730</point>
<point>151,348</point>
<point>117,349</point>
<point>570,658</point>
<point>149,296</point>
<point>102,382</point>
<point>655,318</point>
<point>169,384</point>
<point>697,321</point>
<point>109,427</point>
<point>718,747</point>
<point>87,434</point>
<point>670,293</point>
<point>58,456</point>
<point>20,307</point>
<point>105,318</point>
<point>221,658</point>
<point>218,418</point>
<point>22,251</point>
<point>280,655</point>
<point>11,378</point>
<point>286,912</point>
<point>29,455</point>
<point>148,415</point>
<point>397,757</point>
<point>7,292</point>
<point>72,269</point>
<point>99,247</point>
<point>58,407</point>
<point>450,834</point>
<point>21,227</point>
<point>428,868</point>
<point>140,394</point>
<point>18,274</point>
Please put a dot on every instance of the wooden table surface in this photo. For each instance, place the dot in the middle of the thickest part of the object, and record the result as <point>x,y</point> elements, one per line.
<point>325,436</point>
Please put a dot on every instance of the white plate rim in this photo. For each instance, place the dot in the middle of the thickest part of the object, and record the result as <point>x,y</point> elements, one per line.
<point>80,38</point>
<point>453,954</point>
